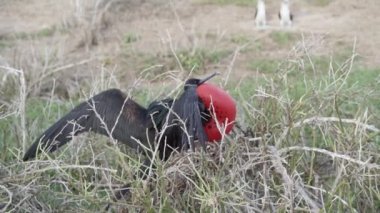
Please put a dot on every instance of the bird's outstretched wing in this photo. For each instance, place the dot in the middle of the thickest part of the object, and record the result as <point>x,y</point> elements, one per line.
<point>110,113</point>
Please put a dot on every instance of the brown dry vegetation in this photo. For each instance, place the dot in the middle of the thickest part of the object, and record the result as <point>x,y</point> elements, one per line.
<point>308,100</point>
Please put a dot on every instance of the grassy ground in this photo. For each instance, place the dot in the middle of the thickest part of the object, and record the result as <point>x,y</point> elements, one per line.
<point>320,150</point>
<point>307,136</point>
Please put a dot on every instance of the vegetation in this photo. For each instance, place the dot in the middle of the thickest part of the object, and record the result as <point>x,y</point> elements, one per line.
<point>307,136</point>
<point>283,38</point>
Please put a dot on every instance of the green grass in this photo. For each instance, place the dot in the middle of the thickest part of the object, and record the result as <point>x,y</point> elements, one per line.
<point>277,104</point>
<point>320,3</point>
<point>201,58</point>
<point>283,38</point>
<point>240,39</point>
<point>46,32</point>
<point>199,61</point>
<point>365,78</point>
<point>42,33</point>
<point>4,43</point>
<point>38,112</point>
<point>130,38</point>
<point>266,66</point>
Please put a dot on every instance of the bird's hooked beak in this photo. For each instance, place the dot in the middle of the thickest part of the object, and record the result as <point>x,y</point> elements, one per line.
<point>195,82</point>
<point>208,78</point>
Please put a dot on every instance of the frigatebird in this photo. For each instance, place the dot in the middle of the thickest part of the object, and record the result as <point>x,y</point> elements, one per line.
<point>170,124</point>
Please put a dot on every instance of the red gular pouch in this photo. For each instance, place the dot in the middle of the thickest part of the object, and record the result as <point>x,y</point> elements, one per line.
<point>222,108</point>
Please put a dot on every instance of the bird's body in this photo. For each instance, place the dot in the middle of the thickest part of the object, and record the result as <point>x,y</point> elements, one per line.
<point>260,16</point>
<point>285,16</point>
<point>170,124</point>
<point>113,114</point>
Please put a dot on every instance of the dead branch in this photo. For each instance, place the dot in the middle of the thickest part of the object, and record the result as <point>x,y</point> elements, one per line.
<point>332,154</point>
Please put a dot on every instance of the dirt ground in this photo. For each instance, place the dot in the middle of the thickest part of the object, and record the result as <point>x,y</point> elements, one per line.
<point>76,31</point>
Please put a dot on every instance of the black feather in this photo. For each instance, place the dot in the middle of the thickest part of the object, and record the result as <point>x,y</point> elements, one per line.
<point>100,114</point>
<point>158,111</point>
<point>189,111</point>
<point>169,124</point>
<point>113,114</point>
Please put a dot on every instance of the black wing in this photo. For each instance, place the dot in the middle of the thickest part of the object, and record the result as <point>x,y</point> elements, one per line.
<point>186,121</point>
<point>109,113</point>
<point>191,113</point>
<point>157,112</point>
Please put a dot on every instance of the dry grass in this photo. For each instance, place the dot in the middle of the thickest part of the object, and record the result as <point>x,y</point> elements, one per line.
<point>307,140</point>
<point>302,156</point>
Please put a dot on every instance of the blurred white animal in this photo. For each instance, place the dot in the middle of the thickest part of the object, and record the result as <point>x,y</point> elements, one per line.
<point>260,15</point>
<point>286,18</point>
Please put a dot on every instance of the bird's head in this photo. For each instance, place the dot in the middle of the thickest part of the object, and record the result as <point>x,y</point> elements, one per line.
<point>218,103</point>
<point>195,82</point>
